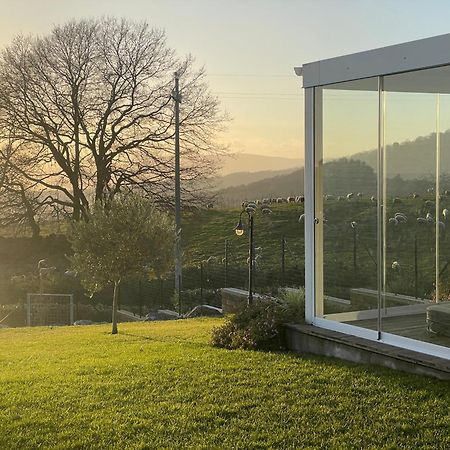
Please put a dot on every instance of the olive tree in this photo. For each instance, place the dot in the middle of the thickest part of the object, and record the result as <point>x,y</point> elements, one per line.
<point>128,238</point>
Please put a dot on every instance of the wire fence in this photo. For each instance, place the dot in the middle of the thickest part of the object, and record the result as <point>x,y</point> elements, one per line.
<point>201,282</point>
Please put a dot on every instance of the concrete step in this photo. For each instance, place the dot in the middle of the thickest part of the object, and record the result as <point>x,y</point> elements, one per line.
<point>319,341</point>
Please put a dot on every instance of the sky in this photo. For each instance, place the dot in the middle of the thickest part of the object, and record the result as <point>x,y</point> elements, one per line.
<point>249,47</point>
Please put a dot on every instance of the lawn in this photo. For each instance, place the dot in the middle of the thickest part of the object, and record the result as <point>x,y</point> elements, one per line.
<point>161,385</point>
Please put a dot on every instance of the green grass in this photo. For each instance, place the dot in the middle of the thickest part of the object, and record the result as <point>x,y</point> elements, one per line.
<point>160,385</point>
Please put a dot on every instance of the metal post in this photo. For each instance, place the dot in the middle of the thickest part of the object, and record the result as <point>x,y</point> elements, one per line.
<point>71,310</point>
<point>29,310</point>
<point>178,264</point>
<point>416,268</point>
<point>250,262</point>
<point>437,200</point>
<point>313,155</point>
<point>179,298</point>
<point>354,249</point>
<point>283,244</point>
<point>201,282</point>
<point>226,263</point>
<point>140,297</point>
<point>381,207</point>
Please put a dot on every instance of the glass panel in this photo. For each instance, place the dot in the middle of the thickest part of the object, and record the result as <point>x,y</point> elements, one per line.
<point>346,145</point>
<point>415,244</point>
<point>443,279</point>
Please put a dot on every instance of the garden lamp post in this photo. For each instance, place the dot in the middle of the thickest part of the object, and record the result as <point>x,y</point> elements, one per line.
<point>239,230</point>
<point>250,210</point>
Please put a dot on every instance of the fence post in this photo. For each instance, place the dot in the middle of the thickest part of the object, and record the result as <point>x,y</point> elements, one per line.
<point>201,282</point>
<point>179,295</point>
<point>140,296</point>
<point>416,268</point>
<point>283,260</point>
<point>161,291</point>
<point>71,311</point>
<point>29,310</point>
<point>226,263</point>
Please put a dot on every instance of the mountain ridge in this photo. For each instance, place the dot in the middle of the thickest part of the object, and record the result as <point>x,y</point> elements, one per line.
<point>252,162</point>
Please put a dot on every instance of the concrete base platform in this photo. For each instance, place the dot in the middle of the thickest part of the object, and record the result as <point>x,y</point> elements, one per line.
<point>319,341</point>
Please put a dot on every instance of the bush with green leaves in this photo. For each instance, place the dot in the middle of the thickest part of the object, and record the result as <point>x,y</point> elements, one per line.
<point>260,326</point>
<point>129,238</point>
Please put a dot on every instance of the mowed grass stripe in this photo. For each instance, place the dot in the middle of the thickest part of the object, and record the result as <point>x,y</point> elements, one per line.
<point>161,385</point>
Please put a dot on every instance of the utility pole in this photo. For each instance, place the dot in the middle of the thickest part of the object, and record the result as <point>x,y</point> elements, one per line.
<point>178,263</point>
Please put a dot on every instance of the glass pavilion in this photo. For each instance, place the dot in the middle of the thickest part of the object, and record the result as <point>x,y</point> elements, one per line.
<point>377,194</point>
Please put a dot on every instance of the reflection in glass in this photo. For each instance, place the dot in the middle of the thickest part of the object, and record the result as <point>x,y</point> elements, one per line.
<point>384,266</point>
<point>414,182</point>
<point>346,142</point>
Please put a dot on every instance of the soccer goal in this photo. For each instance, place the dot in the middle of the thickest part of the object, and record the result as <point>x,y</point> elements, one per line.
<point>50,309</point>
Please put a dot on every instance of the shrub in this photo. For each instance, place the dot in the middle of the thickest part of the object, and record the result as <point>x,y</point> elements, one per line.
<point>293,302</point>
<point>260,326</point>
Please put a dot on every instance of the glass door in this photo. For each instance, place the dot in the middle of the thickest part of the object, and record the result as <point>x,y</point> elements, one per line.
<point>416,164</point>
<point>346,155</point>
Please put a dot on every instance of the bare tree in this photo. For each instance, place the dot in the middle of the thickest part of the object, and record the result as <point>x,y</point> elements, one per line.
<point>22,203</point>
<point>89,107</point>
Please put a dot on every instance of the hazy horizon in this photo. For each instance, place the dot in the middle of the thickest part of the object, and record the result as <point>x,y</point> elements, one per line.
<point>249,48</point>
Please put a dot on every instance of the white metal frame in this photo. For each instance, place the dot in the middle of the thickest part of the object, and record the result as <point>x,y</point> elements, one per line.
<point>416,55</point>
<point>406,57</point>
<point>310,283</point>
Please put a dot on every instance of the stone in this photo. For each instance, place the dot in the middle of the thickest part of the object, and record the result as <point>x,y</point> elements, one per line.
<point>204,311</point>
<point>438,318</point>
<point>162,314</point>
<point>83,322</point>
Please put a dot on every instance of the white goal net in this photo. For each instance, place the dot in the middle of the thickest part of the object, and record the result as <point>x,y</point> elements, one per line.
<point>50,309</point>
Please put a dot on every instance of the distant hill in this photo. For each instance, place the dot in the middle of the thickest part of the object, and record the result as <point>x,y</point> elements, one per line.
<point>278,186</point>
<point>247,162</point>
<point>411,168</point>
<point>412,159</point>
<point>341,177</point>
<point>240,178</point>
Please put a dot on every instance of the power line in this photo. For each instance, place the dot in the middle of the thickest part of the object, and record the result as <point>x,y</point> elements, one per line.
<point>259,98</point>
<point>256,75</point>
<point>258,95</point>
<point>289,94</point>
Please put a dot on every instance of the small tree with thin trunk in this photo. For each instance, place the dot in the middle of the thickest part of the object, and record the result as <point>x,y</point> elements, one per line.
<point>119,242</point>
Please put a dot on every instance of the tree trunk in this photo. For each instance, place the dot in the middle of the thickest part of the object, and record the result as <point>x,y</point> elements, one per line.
<point>30,214</point>
<point>35,228</point>
<point>114,308</point>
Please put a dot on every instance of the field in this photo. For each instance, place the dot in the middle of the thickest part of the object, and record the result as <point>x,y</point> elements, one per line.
<point>349,253</point>
<point>204,235</point>
<point>160,385</point>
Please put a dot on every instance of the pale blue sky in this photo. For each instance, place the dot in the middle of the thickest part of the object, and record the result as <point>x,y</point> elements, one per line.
<point>249,47</point>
